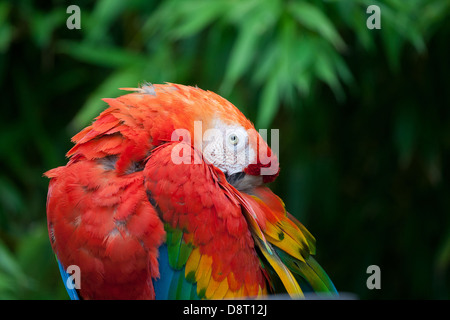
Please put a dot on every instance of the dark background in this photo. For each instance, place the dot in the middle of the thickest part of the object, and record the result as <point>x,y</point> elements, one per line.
<point>364,119</point>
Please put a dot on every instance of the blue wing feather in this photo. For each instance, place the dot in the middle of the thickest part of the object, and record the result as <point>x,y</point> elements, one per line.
<point>73,294</point>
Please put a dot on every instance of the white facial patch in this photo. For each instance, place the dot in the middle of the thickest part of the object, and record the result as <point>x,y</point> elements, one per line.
<point>227,147</point>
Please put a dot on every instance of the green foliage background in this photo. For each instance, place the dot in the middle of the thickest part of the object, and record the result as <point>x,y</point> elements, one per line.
<point>364,119</point>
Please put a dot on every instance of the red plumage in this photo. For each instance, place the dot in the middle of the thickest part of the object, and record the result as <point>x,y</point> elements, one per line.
<point>104,224</point>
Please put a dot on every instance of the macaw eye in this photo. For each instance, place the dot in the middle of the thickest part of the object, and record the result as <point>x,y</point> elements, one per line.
<point>233,139</point>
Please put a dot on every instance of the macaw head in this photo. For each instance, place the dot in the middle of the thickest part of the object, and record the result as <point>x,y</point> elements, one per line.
<point>125,134</point>
<point>223,135</point>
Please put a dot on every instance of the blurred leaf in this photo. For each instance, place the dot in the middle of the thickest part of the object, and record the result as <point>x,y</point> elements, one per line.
<point>102,17</point>
<point>268,105</point>
<point>442,267</point>
<point>312,18</point>
<point>11,198</point>
<point>128,77</point>
<point>443,257</point>
<point>405,135</point>
<point>5,37</point>
<point>326,72</point>
<point>100,55</point>
<point>44,24</point>
<point>6,30</point>
<point>12,278</point>
<point>195,15</point>
<point>242,55</point>
<point>431,15</point>
<point>8,264</point>
<point>34,250</point>
<point>268,60</point>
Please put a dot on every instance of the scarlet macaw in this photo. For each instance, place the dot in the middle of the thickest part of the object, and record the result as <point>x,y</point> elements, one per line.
<point>147,211</point>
